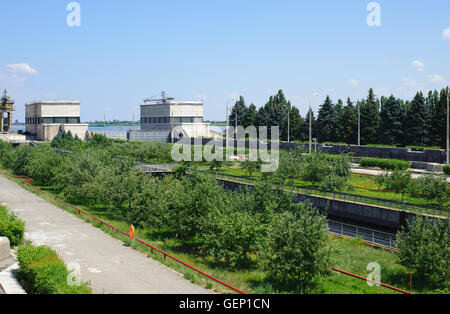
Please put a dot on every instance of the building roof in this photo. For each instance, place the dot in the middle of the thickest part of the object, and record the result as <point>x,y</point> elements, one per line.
<point>54,102</point>
<point>176,103</point>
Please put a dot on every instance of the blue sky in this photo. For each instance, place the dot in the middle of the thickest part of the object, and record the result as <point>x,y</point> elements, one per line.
<point>125,51</point>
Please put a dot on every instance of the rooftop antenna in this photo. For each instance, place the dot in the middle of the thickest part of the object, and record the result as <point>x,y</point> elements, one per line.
<point>163,99</point>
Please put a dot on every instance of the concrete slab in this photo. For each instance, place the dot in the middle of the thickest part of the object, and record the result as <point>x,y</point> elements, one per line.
<point>110,266</point>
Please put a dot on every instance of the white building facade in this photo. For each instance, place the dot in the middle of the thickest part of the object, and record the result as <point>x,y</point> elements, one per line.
<point>184,117</point>
<point>44,119</point>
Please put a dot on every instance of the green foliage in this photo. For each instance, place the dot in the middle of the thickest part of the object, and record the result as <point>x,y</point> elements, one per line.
<point>232,237</point>
<point>399,182</point>
<point>446,169</point>
<point>297,248</point>
<point>385,164</point>
<point>11,227</point>
<point>250,166</point>
<point>41,271</point>
<point>65,140</point>
<point>434,188</point>
<point>425,248</point>
<point>332,173</point>
<point>99,141</point>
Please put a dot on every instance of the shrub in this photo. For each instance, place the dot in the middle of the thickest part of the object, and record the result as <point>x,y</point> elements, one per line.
<point>11,227</point>
<point>425,248</point>
<point>41,271</point>
<point>385,164</point>
<point>297,248</point>
<point>446,169</point>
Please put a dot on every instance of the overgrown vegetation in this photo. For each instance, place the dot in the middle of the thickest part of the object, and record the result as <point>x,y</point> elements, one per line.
<point>41,271</point>
<point>425,249</point>
<point>11,227</point>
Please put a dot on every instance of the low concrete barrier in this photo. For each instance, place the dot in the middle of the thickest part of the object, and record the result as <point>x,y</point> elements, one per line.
<point>4,248</point>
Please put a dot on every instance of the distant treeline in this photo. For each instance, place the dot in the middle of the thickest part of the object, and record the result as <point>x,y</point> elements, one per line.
<point>386,120</point>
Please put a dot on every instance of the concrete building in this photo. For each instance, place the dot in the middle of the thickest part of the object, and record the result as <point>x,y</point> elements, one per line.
<point>6,107</point>
<point>161,116</point>
<point>44,119</point>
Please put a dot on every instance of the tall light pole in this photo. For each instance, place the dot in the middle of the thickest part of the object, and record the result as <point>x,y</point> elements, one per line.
<point>359,124</point>
<point>288,124</point>
<point>448,130</point>
<point>310,123</point>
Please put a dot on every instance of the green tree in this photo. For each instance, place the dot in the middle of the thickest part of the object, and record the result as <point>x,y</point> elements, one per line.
<point>314,168</point>
<point>416,119</point>
<point>392,116</point>
<point>326,122</point>
<point>297,249</point>
<point>240,110</point>
<point>399,182</point>
<point>425,248</point>
<point>348,124</point>
<point>369,119</point>
<point>249,116</point>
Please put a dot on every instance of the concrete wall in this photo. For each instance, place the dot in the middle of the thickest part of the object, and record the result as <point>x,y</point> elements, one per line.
<point>47,132</point>
<point>371,215</point>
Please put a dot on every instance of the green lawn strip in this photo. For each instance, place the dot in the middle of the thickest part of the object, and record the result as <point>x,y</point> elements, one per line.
<point>347,256</point>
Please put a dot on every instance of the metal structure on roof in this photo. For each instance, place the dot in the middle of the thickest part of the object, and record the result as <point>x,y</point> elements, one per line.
<point>6,106</point>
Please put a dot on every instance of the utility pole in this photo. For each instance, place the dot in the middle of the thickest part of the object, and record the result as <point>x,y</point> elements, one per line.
<point>288,126</point>
<point>310,128</point>
<point>359,125</point>
<point>448,130</point>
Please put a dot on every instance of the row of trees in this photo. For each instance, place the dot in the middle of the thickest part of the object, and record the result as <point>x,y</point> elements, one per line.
<point>384,120</point>
<point>253,227</point>
<point>257,227</point>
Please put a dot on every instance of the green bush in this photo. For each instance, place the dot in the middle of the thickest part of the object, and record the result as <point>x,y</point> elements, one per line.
<point>11,227</point>
<point>41,271</point>
<point>385,164</point>
<point>446,169</point>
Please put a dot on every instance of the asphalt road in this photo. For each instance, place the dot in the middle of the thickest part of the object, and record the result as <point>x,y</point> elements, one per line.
<point>110,266</point>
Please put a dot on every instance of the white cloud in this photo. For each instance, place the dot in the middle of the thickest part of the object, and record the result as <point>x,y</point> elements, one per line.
<point>21,68</point>
<point>446,34</point>
<point>418,65</point>
<point>353,82</point>
<point>435,78</point>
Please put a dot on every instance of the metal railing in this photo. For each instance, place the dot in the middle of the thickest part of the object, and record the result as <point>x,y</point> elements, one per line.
<point>370,235</point>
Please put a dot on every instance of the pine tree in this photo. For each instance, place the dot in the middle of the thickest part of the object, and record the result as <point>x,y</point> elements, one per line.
<point>431,104</point>
<point>416,121</point>
<point>440,120</point>
<point>249,116</point>
<point>296,122</point>
<point>240,109</point>
<point>326,122</point>
<point>369,119</point>
<point>348,124</point>
<point>392,116</point>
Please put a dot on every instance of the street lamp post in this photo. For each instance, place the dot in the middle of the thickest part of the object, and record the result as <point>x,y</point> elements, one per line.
<point>310,123</point>
<point>448,130</point>
<point>288,124</point>
<point>359,124</point>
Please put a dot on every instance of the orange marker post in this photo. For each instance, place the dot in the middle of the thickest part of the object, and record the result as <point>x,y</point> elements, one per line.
<point>132,234</point>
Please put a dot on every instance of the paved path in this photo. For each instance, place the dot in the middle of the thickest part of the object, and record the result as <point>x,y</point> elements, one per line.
<point>110,266</point>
